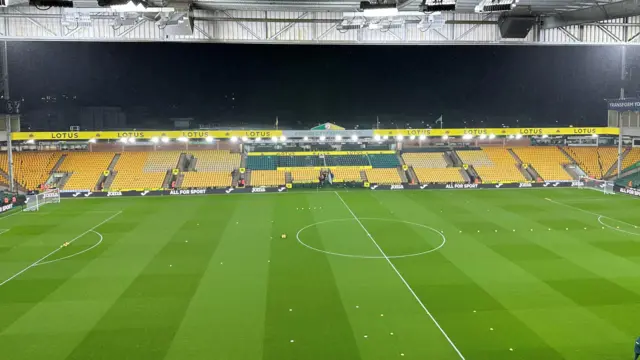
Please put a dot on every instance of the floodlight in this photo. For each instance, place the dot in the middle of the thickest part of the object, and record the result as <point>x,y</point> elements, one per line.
<point>132,140</point>
<point>123,140</point>
<point>378,10</point>
<point>234,138</point>
<point>244,138</point>
<point>445,137</point>
<point>338,137</point>
<point>483,136</point>
<point>492,136</point>
<point>495,5</point>
<point>376,137</point>
<point>518,136</point>
<point>306,138</point>
<point>511,136</point>
<point>399,137</point>
<point>258,139</point>
<point>274,139</point>
<point>423,137</point>
<point>92,141</point>
<point>594,135</point>
<point>154,140</point>
<point>354,137</point>
<point>164,139</point>
<point>209,139</point>
<point>30,142</point>
<point>545,136</point>
<point>412,137</point>
<point>386,137</point>
<point>283,138</point>
<point>183,139</point>
<point>322,138</point>
<point>467,137</point>
<point>430,6</point>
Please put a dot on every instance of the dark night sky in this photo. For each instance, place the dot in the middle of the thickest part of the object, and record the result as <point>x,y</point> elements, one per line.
<point>326,82</point>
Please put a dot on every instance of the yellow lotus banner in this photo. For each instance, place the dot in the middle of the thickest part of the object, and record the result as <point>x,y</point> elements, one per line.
<point>500,131</point>
<point>116,135</point>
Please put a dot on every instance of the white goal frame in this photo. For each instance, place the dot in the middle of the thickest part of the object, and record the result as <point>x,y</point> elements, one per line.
<point>603,186</point>
<point>34,202</point>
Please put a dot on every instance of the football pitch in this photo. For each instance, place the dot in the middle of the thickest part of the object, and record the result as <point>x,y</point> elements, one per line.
<point>450,274</point>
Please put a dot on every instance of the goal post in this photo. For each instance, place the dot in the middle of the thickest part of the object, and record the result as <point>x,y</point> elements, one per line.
<point>603,186</point>
<point>35,201</point>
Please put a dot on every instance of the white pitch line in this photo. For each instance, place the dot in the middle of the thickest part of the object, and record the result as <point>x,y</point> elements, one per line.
<point>590,212</point>
<point>402,278</point>
<point>58,249</point>
<point>76,254</point>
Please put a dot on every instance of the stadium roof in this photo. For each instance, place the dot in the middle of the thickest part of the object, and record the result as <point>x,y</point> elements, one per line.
<point>330,22</point>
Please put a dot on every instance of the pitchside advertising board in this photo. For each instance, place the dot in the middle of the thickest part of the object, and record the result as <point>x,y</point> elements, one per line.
<point>283,189</point>
<point>627,190</point>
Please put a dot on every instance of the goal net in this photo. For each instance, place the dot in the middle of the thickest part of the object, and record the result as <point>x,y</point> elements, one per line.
<point>595,184</point>
<point>34,202</point>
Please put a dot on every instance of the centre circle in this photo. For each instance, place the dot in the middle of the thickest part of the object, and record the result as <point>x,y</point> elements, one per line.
<point>362,227</point>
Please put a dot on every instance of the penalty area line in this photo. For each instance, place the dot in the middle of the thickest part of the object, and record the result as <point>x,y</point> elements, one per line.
<point>590,212</point>
<point>37,262</point>
<point>384,255</point>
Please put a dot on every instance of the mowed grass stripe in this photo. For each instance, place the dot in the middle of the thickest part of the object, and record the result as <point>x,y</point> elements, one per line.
<point>226,313</point>
<point>142,320</point>
<point>302,280</point>
<point>389,314</point>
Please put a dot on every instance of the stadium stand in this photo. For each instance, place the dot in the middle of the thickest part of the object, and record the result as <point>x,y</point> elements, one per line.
<point>595,161</point>
<point>346,174</point>
<point>494,165</point>
<point>305,176</point>
<point>216,160</point>
<point>207,179</point>
<point>425,160</point>
<point>632,157</point>
<point>137,170</point>
<point>299,161</point>
<point>439,175</point>
<point>267,177</point>
<point>85,169</point>
<point>384,160</point>
<point>262,162</point>
<point>383,176</point>
<point>347,160</point>
<point>31,169</point>
<point>546,160</point>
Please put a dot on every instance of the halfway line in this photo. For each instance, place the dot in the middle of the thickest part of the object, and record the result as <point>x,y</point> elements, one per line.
<point>402,278</point>
<point>58,249</point>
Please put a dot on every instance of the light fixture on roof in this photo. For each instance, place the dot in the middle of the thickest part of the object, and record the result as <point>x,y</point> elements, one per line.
<point>274,139</point>
<point>306,138</point>
<point>164,139</point>
<point>234,139</point>
<point>545,136</point>
<point>431,6</point>
<point>445,137</point>
<point>91,141</point>
<point>283,138</point>
<point>323,138</point>
<point>594,135</point>
<point>483,136</point>
<point>386,137</point>
<point>511,136</point>
<point>354,137</point>
<point>467,137</point>
<point>154,140</point>
<point>518,136</point>
<point>492,136</point>
<point>338,138</point>
<point>495,6</point>
<point>399,137</point>
<point>258,139</point>
<point>209,139</point>
<point>378,10</point>
<point>183,139</point>
<point>244,138</point>
<point>132,140</point>
<point>423,137</point>
<point>123,140</point>
<point>412,137</point>
<point>377,137</point>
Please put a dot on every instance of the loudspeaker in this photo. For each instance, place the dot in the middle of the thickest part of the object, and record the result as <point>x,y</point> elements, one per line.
<point>515,27</point>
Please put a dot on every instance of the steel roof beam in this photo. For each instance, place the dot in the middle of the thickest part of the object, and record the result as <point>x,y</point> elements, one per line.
<point>625,8</point>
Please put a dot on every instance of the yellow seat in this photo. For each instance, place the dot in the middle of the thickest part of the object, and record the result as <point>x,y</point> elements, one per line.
<point>383,176</point>
<point>143,170</point>
<point>207,179</point>
<point>546,160</point>
<point>345,174</point>
<point>425,160</point>
<point>215,160</point>
<point>267,178</point>
<point>304,175</point>
<point>501,166</point>
<point>86,168</point>
<point>31,169</point>
<point>632,157</point>
<point>439,175</point>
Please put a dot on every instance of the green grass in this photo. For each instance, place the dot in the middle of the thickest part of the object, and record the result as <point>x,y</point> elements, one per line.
<point>208,277</point>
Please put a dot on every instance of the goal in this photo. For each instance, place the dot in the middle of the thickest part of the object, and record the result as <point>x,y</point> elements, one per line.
<point>595,184</point>
<point>34,202</point>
